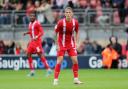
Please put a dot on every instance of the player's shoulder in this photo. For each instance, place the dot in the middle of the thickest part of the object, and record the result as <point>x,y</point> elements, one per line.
<point>75,20</point>
<point>60,21</point>
<point>37,22</point>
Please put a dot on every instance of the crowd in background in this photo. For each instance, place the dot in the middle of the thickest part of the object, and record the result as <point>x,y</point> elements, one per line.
<point>85,47</point>
<point>11,48</point>
<point>110,53</point>
<point>49,11</point>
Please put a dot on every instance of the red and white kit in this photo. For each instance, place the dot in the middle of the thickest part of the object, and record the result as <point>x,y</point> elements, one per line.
<point>66,40</point>
<point>35,31</point>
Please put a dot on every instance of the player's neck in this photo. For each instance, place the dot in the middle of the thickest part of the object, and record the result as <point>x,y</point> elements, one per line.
<point>68,19</point>
<point>33,21</point>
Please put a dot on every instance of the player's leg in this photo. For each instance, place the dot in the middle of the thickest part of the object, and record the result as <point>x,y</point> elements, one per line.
<point>44,61</point>
<point>30,62</point>
<point>57,69</point>
<point>73,55</point>
<point>75,69</point>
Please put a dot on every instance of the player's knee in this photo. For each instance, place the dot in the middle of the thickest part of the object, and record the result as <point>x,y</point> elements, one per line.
<point>75,61</point>
<point>59,60</point>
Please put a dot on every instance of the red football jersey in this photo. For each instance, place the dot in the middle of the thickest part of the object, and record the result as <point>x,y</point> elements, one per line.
<point>66,30</point>
<point>35,29</point>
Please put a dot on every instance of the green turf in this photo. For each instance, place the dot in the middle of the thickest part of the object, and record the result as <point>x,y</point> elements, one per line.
<point>92,78</point>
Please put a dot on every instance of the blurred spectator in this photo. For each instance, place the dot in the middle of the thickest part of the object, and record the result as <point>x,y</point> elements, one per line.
<point>47,44</point>
<point>2,47</point>
<point>18,49</point>
<point>7,5</point>
<point>127,51</point>
<point>72,3</point>
<point>126,4</point>
<point>46,9</point>
<point>93,4</point>
<point>117,47</point>
<point>1,2</point>
<point>56,15</point>
<point>9,49</point>
<point>45,47</point>
<point>40,15</point>
<point>124,48</point>
<point>58,4</point>
<point>109,55</point>
<point>96,47</point>
<point>18,6</point>
<point>116,18</point>
<point>88,48</point>
<point>101,18</point>
<point>126,11</point>
<point>126,45</point>
<point>126,21</point>
<point>99,13</point>
<point>37,4</point>
<point>49,2</point>
<point>29,9</point>
<point>53,51</point>
<point>117,3</point>
<point>105,4</point>
<point>122,11</point>
<point>18,17</point>
<point>82,4</point>
<point>5,17</point>
<point>115,44</point>
<point>80,49</point>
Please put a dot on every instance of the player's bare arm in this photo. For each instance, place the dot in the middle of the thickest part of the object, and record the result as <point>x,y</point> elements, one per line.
<point>26,33</point>
<point>77,39</point>
<point>57,45</point>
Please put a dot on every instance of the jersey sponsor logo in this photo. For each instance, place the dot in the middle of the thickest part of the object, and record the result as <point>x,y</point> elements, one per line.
<point>94,62</point>
<point>22,63</point>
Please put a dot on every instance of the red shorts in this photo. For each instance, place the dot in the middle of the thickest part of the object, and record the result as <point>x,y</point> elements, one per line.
<point>34,47</point>
<point>71,52</point>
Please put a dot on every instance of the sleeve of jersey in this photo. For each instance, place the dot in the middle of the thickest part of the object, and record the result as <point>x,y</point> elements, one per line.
<point>77,26</point>
<point>57,27</point>
<point>41,31</point>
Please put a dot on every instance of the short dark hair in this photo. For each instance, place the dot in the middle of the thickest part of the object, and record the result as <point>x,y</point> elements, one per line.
<point>34,13</point>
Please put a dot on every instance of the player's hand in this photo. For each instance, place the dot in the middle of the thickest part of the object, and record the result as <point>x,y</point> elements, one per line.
<point>36,37</point>
<point>24,34</point>
<point>77,45</point>
<point>57,48</point>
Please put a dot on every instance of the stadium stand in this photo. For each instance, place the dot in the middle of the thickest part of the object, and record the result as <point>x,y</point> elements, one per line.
<point>99,19</point>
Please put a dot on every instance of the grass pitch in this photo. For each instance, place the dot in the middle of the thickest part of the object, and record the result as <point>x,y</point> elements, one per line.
<point>92,78</point>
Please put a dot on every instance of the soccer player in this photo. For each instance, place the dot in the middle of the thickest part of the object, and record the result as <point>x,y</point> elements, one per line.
<point>67,38</point>
<point>34,46</point>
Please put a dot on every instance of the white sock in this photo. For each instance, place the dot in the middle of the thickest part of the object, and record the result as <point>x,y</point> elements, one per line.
<point>75,78</point>
<point>32,71</point>
<point>55,79</point>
